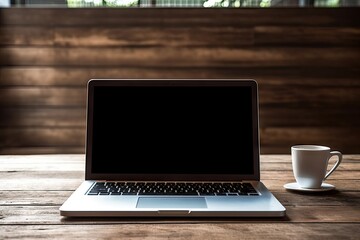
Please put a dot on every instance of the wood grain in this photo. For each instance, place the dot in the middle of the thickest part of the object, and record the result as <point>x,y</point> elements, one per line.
<point>271,96</point>
<point>265,76</point>
<point>45,117</point>
<point>48,96</point>
<point>306,62</point>
<point>186,231</point>
<point>33,187</point>
<point>40,137</point>
<point>307,36</point>
<point>179,36</point>
<point>179,57</point>
<point>127,36</point>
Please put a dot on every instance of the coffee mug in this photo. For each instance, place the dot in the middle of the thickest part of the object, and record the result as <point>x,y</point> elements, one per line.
<point>310,164</point>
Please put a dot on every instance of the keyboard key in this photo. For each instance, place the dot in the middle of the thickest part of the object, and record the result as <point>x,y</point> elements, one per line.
<point>115,193</point>
<point>104,193</point>
<point>232,194</point>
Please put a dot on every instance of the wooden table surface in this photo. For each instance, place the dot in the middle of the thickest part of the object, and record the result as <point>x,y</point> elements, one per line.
<point>32,188</point>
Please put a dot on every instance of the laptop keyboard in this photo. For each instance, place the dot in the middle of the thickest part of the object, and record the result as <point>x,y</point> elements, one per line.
<point>162,188</point>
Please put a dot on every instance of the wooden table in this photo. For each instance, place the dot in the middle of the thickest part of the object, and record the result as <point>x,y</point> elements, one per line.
<point>33,187</point>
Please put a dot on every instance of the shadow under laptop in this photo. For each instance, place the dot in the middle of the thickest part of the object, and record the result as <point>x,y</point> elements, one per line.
<point>171,220</point>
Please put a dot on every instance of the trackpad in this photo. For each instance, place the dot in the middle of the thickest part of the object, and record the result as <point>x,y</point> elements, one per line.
<point>171,202</point>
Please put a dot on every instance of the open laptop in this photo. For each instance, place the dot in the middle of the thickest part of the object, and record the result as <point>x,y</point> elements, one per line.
<point>172,148</point>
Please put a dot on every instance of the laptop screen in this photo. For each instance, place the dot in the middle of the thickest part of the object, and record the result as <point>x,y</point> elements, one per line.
<point>172,128</point>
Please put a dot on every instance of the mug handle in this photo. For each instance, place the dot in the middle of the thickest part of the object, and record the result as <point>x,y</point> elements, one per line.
<point>334,153</point>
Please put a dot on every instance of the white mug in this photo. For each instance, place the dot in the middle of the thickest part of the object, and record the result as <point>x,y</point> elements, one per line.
<point>310,163</point>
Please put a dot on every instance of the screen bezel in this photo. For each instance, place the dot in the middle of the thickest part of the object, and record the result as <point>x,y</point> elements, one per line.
<point>89,175</point>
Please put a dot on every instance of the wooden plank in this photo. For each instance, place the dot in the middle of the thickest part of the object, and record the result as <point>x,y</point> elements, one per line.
<point>307,36</point>
<point>307,116</point>
<point>33,198</point>
<point>42,137</point>
<point>43,96</point>
<point>333,198</point>
<point>125,36</point>
<point>43,117</point>
<point>123,17</point>
<point>76,158</point>
<point>155,36</point>
<point>42,150</point>
<point>297,214</point>
<point>314,96</point>
<point>321,214</point>
<point>25,36</point>
<point>45,163</point>
<point>79,76</point>
<point>50,183</point>
<point>212,229</point>
<point>48,175</point>
<point>180,56</point>
<point>279,140</point>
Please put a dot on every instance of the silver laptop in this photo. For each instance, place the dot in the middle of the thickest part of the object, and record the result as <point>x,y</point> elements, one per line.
<point>172,148</point>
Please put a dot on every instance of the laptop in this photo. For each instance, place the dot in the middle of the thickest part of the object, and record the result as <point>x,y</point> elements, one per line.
<point>179,148</point>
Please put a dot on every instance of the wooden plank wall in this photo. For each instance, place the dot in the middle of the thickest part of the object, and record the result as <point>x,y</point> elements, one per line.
<point>306,62</point>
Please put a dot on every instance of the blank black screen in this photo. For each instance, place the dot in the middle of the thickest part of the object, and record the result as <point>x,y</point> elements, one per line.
<point>172,130</point>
